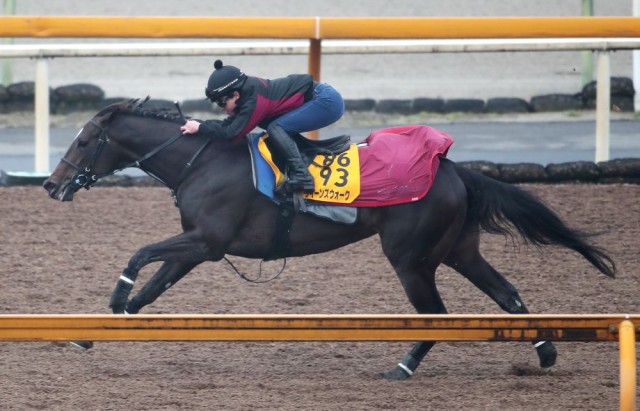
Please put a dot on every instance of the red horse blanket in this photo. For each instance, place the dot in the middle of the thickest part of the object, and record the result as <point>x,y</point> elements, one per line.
<point>398,164</point>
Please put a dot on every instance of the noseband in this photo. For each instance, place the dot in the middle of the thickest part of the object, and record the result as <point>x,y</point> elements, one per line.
<point>85,178</point>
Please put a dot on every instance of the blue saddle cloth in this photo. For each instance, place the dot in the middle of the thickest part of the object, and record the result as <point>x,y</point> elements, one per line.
<point>264,179</point>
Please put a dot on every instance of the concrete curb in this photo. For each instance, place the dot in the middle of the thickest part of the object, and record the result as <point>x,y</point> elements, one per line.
<point>625,170</point>
<point>618,171</point>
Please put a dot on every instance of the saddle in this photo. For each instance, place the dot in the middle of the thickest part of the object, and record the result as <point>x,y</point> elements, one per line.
<point>311,148</point>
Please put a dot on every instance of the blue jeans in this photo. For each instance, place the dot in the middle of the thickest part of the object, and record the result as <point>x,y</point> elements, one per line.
<point>326,107</point>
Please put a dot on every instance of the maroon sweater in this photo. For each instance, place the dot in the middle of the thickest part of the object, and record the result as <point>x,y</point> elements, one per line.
<point>261,101</point>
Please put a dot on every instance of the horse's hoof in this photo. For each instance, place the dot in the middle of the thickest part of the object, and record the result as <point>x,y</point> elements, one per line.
<point>547,354</point>
<point>397,374</point>
<point>549,370</point>
<point>82,344</point>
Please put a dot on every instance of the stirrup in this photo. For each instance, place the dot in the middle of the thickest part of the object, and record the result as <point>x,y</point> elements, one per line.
<point>295,197</point>
<point>295,186</point>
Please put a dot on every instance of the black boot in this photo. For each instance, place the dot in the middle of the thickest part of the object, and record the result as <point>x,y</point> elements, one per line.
<point>298,177</point>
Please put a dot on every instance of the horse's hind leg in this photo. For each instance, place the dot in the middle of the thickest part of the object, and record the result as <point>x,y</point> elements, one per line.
<point>466,259</point>
<point>416,238</point>
<point>169,273</point>
<point>415,246</point>
<point>422,292</point>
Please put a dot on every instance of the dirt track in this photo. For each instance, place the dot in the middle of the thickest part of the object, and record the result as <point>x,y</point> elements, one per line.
<point>65,258</point>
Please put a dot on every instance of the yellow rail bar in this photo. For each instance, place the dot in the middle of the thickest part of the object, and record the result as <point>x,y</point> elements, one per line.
<point>614,327</point>
<point>158,27</point>
<point>311,327</point>
<point>318,28</point>
<point>478,27</point>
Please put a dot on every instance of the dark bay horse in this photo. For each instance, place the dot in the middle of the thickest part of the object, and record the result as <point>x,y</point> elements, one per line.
<point>222,213</point>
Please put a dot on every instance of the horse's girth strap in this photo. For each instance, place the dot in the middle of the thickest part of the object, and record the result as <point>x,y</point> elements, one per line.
<point>281,243</point>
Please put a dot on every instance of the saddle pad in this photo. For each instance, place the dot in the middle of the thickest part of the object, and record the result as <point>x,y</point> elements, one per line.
<point>337,178</point>
<point>266,174</point>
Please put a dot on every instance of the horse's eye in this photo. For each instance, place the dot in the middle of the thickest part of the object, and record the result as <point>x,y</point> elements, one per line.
<point>82,143</point>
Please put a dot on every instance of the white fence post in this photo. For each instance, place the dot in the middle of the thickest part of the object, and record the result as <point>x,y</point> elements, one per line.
<point>42,116</point>
<point>603,105</point>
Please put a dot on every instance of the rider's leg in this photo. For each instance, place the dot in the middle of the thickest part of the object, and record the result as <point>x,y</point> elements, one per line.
<point>298,177</point>
<point>326,107</point>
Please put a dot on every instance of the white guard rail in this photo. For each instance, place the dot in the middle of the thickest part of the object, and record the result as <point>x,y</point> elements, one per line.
<point>42,52</point>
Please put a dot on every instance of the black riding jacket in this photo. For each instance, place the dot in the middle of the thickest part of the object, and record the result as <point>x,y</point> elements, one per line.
<point>261,101</point>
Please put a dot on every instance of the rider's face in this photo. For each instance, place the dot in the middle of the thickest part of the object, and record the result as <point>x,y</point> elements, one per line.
<point>230,103</point>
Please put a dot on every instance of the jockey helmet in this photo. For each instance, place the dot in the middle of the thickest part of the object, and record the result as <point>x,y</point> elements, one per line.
<point>223,81</point>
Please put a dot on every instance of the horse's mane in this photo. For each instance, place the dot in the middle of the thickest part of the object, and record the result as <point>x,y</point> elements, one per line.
<point>135,107</point>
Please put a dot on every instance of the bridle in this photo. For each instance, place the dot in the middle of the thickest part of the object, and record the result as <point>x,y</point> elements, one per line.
<point>85,177</point>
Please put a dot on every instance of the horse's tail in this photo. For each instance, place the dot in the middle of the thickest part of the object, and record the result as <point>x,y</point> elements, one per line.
<point>499,208</point>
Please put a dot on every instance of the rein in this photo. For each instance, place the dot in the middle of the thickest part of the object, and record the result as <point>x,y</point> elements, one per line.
<point>85,178</point>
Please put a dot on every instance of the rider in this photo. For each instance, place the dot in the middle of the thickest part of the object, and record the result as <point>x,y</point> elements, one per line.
<point>282,107</point>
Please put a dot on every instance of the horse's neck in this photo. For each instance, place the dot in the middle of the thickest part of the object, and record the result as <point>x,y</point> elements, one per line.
<point>181,159</point>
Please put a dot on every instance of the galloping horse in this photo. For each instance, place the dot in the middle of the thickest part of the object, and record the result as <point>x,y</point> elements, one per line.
<point>222,213</point>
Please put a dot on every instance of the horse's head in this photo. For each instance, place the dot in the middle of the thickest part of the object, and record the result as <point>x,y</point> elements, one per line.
<point>88,158</point>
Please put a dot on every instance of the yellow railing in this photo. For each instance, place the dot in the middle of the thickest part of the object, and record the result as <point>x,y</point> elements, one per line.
<point>617,327</point>
<point>318,27</point>
<point>313,327</point>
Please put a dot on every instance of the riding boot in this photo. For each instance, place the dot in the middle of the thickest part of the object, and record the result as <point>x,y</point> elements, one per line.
<point>298,177</point>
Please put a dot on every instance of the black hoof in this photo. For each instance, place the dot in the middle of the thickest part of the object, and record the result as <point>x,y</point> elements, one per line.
<point>82,344</point>
<point>547,354</point>
<point>397,374</point>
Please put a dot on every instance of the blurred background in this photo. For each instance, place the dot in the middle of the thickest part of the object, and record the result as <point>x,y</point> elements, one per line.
<point>436,75</point>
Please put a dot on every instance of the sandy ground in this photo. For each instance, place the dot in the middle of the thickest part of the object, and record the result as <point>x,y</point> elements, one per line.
<point>65,258</point>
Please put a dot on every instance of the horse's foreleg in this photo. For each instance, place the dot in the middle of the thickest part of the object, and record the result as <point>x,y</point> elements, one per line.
<point>476,269</point>
<point>169,274</point>
<point>183,248</point>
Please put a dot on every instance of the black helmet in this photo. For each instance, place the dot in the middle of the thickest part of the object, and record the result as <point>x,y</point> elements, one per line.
<point>223,81</point>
